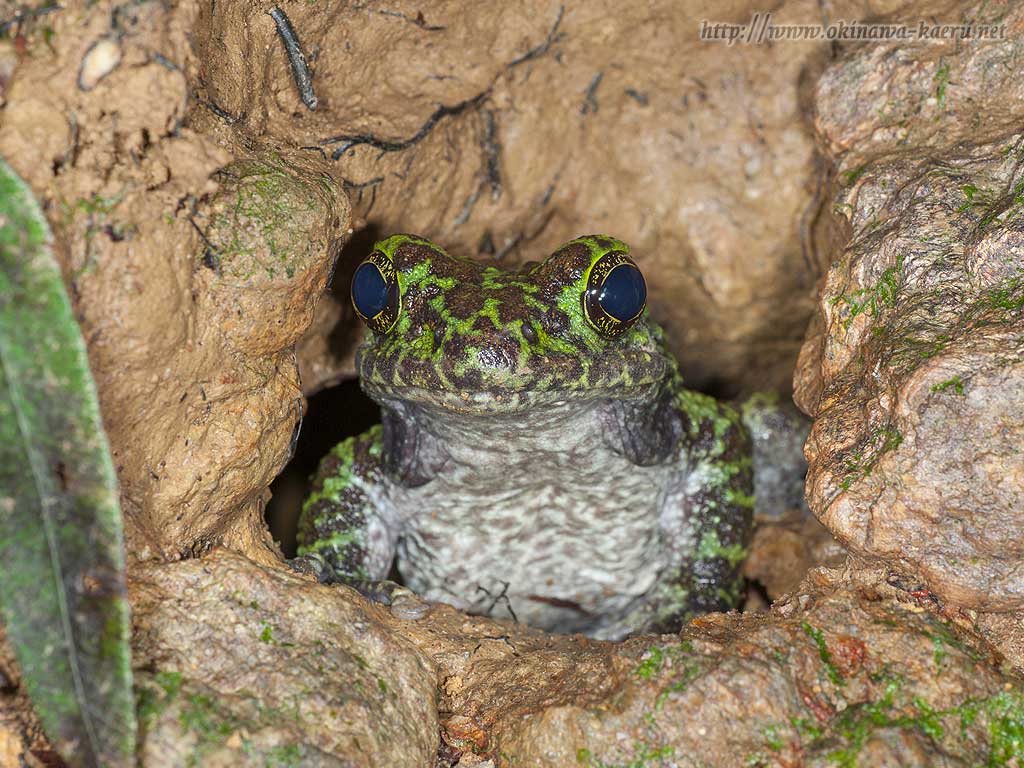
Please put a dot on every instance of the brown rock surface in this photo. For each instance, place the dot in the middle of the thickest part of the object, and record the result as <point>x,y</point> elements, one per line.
<point>914,369</point>
<point>196,230</point>
<point>783,550</point>
<point>831,674</point>
<point>247,664</point>
<point>251,665</point>
<point>326,354</point>
<point>1003,631</point>
<point>192,276</point>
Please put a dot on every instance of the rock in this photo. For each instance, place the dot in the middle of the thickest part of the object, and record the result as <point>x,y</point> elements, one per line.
<point>198,221</point>
<point>1004,632</point>
<point>914,368</point>
<point>829,673</point>
<point>784,549</point>
<point>240,664</point>
<point>192,273</point>
<point>326,353</point>
<point>269,231</point>
<point>249,665</point>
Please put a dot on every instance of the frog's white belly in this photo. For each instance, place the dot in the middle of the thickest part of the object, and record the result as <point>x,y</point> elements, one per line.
<point>540,520</point>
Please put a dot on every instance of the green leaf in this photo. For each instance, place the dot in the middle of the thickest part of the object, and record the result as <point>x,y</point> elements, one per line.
<point>62,587</point>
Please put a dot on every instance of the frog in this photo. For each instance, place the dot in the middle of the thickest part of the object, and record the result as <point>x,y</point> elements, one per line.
<point>538,458</point>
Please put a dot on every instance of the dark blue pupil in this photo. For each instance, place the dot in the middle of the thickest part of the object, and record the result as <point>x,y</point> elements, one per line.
<point>623,293</point>
<point>369,290</point>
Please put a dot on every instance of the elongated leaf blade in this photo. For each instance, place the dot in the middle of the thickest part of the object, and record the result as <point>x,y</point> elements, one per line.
<point>62,589</point>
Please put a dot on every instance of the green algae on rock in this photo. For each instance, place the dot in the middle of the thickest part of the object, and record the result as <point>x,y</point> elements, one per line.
<point>913,369</point>
<point>828,677</point>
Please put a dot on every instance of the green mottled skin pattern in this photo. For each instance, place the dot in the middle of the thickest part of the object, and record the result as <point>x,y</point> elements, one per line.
<point>528,466</point>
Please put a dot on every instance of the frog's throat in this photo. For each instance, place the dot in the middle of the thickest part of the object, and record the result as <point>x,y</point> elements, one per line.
<point>417,437</point>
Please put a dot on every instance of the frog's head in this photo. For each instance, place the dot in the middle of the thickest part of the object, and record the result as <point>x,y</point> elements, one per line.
<point>467,337</point>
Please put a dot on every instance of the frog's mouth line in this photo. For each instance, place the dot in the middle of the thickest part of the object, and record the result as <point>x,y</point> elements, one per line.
<point>625,376</point>
<point>507,401</point>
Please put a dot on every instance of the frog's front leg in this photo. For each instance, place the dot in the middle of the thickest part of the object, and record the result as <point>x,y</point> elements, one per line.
<point>341,523</point>
<point>345,535</point>
<point>705,519</point>
<point>718,501</point>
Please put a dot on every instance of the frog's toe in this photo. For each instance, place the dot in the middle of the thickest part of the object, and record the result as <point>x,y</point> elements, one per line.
<point>315,565</point>
<point>404,603</point>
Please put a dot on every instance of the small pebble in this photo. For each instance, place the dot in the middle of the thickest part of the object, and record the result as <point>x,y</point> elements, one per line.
<point>99,61</point>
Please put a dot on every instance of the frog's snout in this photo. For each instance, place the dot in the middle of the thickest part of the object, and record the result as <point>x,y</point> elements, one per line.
<point>496,357</point>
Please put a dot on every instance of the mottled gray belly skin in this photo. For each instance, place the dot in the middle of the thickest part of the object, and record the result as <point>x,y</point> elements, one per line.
<point>543,522</point>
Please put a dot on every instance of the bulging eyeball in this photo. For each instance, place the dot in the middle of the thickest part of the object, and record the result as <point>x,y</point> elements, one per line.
<point>616,294</point>
<point>375,292</point>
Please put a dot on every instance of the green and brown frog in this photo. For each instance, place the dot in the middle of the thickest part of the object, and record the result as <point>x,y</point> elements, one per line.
<point>539,457</point>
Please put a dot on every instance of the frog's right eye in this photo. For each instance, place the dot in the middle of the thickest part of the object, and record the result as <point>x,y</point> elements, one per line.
<point>616,294</point>
<point>375,292</point>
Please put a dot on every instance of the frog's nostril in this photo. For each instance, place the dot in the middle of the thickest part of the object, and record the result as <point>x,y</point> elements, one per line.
<point>495,357</point>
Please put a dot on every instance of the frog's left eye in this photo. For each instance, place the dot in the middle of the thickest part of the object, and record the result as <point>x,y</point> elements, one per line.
<point>375,292</point>
<point>616,294</point>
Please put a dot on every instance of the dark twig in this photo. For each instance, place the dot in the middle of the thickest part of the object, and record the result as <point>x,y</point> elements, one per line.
<point>637,96</point>
<point>351,185</point>
<point>219,111</point>
<point>503,595</point>
<point>467,207</point>
<point>491,147</point>
<point>26,13</point>
<point>164,62</point>
<point>486,245</point>
<point>294,442</point>
<point>300,71</point>
<point>525,237</point>
<point>316,149</point>
<point>348,141</point>
<point>417,20</point>
<point>541,49</point>
<point>503,638</point>
<point>211,259</point>
<point>548,193</point>
<point>590,95</point>
<point>492,152</point>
